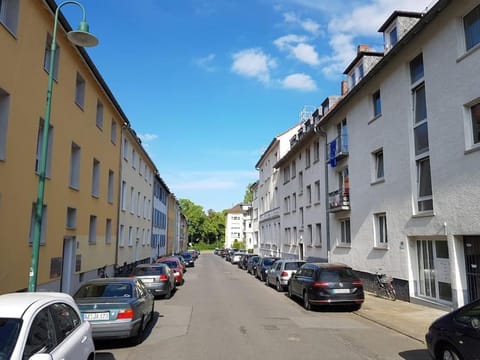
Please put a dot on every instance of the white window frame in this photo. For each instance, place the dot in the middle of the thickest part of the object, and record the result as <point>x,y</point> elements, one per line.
<point>318,235</point>
<point>75,158</point>
<point>121,234</point>
<point>476,13</point>
<point>378,166</point>
<point>96,178</point>
<point>111,182</point>
<point>99,115</point>
<point>71,222</point>
<point>9,11</point>
<point>124,196</point>
<point>345,238</point>
<point>380,230</point>
<point>80,88</point>
<point>92,230</point>
<point>113,132</point>
<point>108,231</point>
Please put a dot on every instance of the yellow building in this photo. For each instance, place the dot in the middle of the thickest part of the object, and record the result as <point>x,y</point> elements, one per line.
<point>83,175</point>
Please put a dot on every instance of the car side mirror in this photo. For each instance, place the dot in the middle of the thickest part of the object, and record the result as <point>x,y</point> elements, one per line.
<point>475,322</point>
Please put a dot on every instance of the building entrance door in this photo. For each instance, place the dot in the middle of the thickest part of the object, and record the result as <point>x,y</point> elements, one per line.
<point>472,263</point>
<point>68,263</point>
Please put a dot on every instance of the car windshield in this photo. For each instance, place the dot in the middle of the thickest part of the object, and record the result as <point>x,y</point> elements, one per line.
<point>269,261</point>
<point>336,275</point>
<point>187,256</point>
<point>152,270</point>
<point>104,290</point>
<point>293,265</point>
<point>9,329</point>
<point>172,264</point>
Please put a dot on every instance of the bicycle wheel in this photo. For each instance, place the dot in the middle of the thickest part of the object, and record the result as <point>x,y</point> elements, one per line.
<point>390,291</point>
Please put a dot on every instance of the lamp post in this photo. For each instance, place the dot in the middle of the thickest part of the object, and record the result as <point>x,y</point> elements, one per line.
<point>80,37</point>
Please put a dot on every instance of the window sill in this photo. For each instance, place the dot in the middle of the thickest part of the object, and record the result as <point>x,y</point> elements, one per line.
<point>378,181</point>
<point>317,203</point>
<point>345,246</point>
<point>423,214</point>
<point>317,246</point>
<point>80,106</point>
<point>375,118</point>
<point>473,148</point>
<point>74,188</point>
<point>380,247</point>
<point>308,206</point>
<point>468,53</point>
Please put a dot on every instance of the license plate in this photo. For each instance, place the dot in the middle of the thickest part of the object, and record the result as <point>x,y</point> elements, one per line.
<point>341,291</point>
<point>96,316</point>
<point>147,280</point>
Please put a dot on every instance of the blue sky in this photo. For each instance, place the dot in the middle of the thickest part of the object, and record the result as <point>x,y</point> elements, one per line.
<point>207,84</point>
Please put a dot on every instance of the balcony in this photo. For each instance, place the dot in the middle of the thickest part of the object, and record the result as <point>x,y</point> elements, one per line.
<point>339,200</point>
<point>338,148</point>
<point>270,214</point>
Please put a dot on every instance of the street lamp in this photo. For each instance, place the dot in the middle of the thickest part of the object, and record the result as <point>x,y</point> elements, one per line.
<point>80,37</point>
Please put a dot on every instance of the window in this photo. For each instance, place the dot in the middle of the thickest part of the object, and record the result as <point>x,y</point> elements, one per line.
<point>130,236</point>
<point>138,204</point>
<point>317,191</point>
<point>125,149</point>
<point>66,320</point>
<point>48,55</point>
<point>286,174</point>
<point>377,104</point>
<point>294,169</point>
<point>309,195</point>
<point>471,24</point>
<point>381,238</point>
<point>9,14</point>
<point>416,69</point>
<point>140,167</point>
<point>144,207</point>
<point>309,235</point>
<point>4,109</point>
<point>74,180</point>
<point>124,196</point>
<point>108,231</point>
<point>392,37</point>
<point>361,72</point>
<point>294,202</point>
<point>302,219</point>
<point>307,158</point>
<point>41,337</point>
<point>99,118</point>
<point>134,159</point>
<point>318,235</point>
<point>475,112</point>
<point>111,179</point>
<point>121,234</point>
<point>132,200</point>
<point>39,148</point>
<point>378,163</point>
<point>71,218</point>
<point>92,232</point>
<point>424,183</point>
<point>113,132</point>
<point>300,182</point>
<point>43,225</point>
<point>80,86</point>
<point>345,237</point>
<point>286,202</point>
<point>316,151</point>
<point>96,178</point>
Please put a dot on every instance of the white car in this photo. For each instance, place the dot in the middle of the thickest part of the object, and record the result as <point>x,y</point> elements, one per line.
<point>43,326</point>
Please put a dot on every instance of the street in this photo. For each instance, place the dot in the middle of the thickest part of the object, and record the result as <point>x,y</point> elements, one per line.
<point>221,312</point>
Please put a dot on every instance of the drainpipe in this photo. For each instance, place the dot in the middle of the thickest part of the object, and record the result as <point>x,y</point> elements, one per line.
<point>323,133</point>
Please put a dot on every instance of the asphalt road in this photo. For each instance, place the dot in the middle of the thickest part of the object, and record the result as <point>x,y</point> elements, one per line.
<point>221,312</point>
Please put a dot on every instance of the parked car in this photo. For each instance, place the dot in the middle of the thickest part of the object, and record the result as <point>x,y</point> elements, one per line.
<point>456,335</point>
<point>116,307</point>
<point>281,272</point>
<point>252,263</point>
<point>242,264</point>
<point>158,278</point>
<point>235,258</point>
<point>174,264</point>
<point>326,284</point>
<point>263,265</point>
<point>43,323</point>
<point>188,259</point>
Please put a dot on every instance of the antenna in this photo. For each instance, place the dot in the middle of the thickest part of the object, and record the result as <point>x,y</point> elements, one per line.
<point>305,113</point>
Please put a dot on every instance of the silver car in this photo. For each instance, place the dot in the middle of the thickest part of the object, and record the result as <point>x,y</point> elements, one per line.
<point>116,307</point>
<point>43,325</point>
<point>158,278</point>
<point>281,272</point>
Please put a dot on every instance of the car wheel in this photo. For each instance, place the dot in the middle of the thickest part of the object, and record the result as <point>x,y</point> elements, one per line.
<point>306,301</point>
<point>137,339</point>
<point>290,294</point>
<point>448,353</point>
<point>278,286</point>
<point>168,295</point>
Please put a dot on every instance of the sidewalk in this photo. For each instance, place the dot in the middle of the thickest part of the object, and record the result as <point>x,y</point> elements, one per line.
<point>404,317</point>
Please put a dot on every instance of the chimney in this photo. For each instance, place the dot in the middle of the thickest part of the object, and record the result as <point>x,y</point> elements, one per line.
<point>362,48</point>
<point>344,87</point>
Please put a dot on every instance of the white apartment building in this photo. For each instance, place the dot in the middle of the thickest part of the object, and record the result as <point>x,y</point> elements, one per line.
<point>136,196</point>
<point>159,218</point>
<point>234,225</point>
<point>267,193</point>
<point>255,234</point>
<point>403,148</point>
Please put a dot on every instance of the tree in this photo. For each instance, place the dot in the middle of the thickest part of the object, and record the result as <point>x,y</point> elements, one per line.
<point>248,197</point>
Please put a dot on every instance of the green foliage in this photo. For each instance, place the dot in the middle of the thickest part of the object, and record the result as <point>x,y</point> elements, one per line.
<point>207,228</point>
<point>248,197</point>
<point>239,244</point>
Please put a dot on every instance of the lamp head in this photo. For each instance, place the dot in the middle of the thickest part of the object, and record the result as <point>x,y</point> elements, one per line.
<point>82,37</point>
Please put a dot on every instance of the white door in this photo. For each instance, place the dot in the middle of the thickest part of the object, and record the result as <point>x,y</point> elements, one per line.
<point>68,263</point>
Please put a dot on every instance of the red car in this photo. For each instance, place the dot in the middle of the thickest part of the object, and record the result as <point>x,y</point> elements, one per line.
<point>174,264</point>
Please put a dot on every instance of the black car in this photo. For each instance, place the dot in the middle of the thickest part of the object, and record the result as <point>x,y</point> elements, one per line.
<point>264,264</point>
<point>252,264</point>
<point>188,259</point>
<point>456,335</point>
<point>326,284</point>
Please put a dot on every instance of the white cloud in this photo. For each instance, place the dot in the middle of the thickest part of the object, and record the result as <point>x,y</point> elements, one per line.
<point>286,42</point>
<point>310,26</point>
<point>299,82</point>
<point>147,137</point>
<point>253,63</point>
<point>206,62</point>
<point>306,53</point>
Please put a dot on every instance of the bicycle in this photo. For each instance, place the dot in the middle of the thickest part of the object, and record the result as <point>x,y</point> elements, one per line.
<point>384,286</point>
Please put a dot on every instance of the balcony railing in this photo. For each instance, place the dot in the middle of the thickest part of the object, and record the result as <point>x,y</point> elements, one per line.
<point>338,148</point>
<point>273,213</point>
<point>339,200</point>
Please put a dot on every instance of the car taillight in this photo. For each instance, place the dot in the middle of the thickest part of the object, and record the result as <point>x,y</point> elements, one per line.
<point>284,274</point>
<point>357,283</point>
<point>126,314</point>
<point>320,284</point>
<point>163,277</point>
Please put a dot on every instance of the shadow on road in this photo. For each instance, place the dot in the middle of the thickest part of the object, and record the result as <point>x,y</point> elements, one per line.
<point>121,343</point>
<point>415,354</point>
<point>324,308</point>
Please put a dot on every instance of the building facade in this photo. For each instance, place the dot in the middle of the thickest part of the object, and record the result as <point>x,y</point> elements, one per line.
<point>159,218</point>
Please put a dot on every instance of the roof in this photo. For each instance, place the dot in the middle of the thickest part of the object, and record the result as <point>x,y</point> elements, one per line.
<point>14,305</point>
<point>274,141</point>
<point>396,14</point>
<point>361,54</point>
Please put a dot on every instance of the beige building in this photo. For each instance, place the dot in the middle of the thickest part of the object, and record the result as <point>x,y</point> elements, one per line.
<point>78,235</point>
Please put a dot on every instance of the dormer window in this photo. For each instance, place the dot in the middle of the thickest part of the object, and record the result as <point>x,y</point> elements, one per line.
<point>392,37</point>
